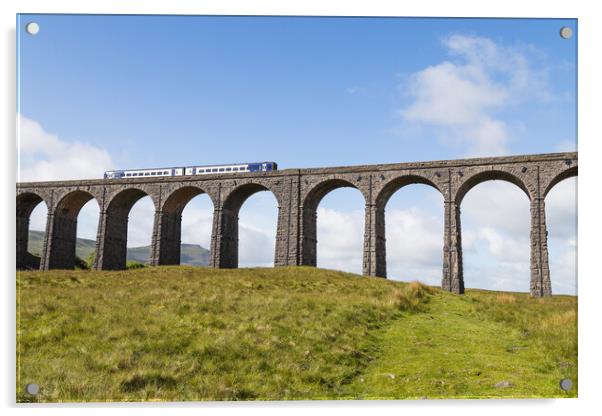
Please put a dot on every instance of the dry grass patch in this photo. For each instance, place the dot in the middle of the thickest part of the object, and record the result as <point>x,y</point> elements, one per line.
<point>412,297</point>
<point>505,298</point>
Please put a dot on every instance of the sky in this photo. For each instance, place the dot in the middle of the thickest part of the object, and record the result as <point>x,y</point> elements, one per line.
<point>104,92</point>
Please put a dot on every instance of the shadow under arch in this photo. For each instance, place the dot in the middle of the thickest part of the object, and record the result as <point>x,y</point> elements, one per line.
<point>63,235</point>
<point>489,175</point>
<point>311,201</point>
<point>25,204</point>
<point>568,173</point>
<point>112,243</point>
<point>169,244</point>
<point>228,242</point>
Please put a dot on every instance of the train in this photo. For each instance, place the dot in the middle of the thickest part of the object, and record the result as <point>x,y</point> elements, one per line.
<point>192,170</point>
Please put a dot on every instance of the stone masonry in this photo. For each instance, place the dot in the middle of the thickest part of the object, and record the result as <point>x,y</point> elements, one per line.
<point>298,192</point>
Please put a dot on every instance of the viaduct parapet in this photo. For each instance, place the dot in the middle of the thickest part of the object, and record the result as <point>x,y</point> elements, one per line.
<point>298,192</point>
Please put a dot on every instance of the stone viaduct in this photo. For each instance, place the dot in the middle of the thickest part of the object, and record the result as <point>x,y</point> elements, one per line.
<point>298,192</point>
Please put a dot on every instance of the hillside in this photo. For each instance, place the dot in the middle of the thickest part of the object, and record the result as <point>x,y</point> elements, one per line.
<point>191,254</point>
<point>186,333</point>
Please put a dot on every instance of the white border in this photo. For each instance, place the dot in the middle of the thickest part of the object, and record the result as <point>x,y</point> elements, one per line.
<point>590,286</point>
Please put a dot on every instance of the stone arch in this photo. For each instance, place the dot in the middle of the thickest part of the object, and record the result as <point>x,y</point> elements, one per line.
<point>26,203</point>
<point>112,244</point>
<point>526,212</point>
<point>180,197</point>
<point>378,214</point>
<point>565,174</point>
<point>321,189</point>
<point>399,182</point>
<point>63,234</point>
<point>167,248</point>
<point>228,222</point>
<point>310,204</point>
<point>490,175</point>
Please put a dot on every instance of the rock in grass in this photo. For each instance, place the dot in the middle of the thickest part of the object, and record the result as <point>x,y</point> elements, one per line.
<point>504,384</point>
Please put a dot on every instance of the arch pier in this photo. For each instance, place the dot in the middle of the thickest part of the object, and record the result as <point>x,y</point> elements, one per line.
<point>298,193</point>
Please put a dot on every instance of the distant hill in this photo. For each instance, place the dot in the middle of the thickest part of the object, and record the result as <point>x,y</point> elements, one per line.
<point>191,254</point>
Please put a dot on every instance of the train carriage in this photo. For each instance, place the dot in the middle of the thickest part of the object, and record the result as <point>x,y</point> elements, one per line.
<point>192,170</point>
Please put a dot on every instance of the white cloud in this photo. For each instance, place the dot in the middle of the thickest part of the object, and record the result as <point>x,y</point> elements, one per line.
<point>461,98</point>
<point>505,248</point>
<point>561,210</point>
<point>340,239</point>
<point>484,204</point>
<point>414,245</point>
<point>44,156</point>
<point>258,219</point>
<point>140,223</point>
<point>256,246</point>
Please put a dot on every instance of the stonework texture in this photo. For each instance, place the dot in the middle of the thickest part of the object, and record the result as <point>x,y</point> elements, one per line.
<point>298,192</point>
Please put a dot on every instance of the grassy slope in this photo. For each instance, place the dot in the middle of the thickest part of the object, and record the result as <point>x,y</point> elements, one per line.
<point>183,333</point>
<point>463,346</point>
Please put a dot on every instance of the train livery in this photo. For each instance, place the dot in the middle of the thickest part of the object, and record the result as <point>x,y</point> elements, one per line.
<point>192,170</point>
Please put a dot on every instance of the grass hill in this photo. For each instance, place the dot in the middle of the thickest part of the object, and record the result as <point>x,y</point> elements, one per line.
<point>194,333</point>
<point>191,254</point>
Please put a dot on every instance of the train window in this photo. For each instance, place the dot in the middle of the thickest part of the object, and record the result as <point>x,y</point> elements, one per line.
<point>235,169</point>
<point>165,172</point>
<point>146,173</point>
<point>214,170</point>
<point>228,169</point>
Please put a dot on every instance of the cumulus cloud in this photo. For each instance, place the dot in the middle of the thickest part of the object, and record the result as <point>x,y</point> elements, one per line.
<point>505,248</point>
<point>414,245</point>
<point>256,246</point>
<point>484,203</point>
<point>45,156</point>
<point>461,98</point>
<point>340,237</point>
<point>258,218</point>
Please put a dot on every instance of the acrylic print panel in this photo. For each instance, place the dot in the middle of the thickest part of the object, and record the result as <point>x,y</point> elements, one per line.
<point>286,208</point>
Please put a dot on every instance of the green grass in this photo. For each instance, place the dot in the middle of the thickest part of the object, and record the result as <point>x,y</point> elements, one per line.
<point>186,333</point>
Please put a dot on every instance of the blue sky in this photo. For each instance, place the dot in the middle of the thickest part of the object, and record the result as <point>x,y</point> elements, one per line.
<point>145,91</point>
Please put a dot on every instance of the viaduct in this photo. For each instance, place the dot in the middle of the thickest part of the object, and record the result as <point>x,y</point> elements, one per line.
<point>298,192</point>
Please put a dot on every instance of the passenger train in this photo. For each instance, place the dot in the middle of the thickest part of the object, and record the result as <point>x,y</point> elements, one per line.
<point>192,170</point>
